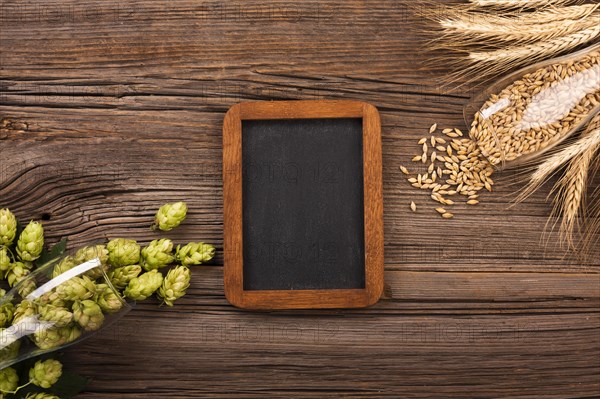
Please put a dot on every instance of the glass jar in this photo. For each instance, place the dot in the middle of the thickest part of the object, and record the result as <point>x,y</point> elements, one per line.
<point>59,304</point>
<point>530,111</point>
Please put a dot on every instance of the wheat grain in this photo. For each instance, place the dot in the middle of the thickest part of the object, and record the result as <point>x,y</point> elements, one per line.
<point>413,206</point>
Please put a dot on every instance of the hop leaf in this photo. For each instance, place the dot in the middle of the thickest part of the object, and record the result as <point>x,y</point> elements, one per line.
<point>6,313</point>
<point>45,373</point>
<point>170,216</point>
<point>174,285</point>
<point>54,337</point>
<point>123,252</point>
<point>31,242</point>
<point>195,253</point>
<point>158,254</point>
<point>40,395</point>
<point>8,227</point>
<point>59,316</point>
<point>140,288</point>
<point>76,288</point>
<point>121,276</point>
<point>88,315</point>
<point>108,300</point>
<point>4,262</point>
<point>9,380</point>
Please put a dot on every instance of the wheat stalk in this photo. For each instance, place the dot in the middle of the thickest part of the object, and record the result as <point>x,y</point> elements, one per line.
<point>572,187</point>
<point>589,139</point>
<point>570,191</point>
<point>483,28</point>
<point>518,3</point>
<point>539,49</point>
<point>507,39</point>
<point>590,236</point>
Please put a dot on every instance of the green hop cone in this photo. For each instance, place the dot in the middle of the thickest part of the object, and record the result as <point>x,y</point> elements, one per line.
<point>45,373</point>
<point>140,288</point>
<point>24,310</point>
<point>17,272</point>
<point>94,252</point>
<point>54,337</point>
<point>88,315</point>
<point>31,242</point>
<point>66,264</point>
<point>195,253</point>
<point>6,314</point>
<point>170,216</point>
<point>51,298</point>
<point>9,380</point>
<point>85,254</point>
<point>4,262</point>
<point>174,285</point>
<point>9,348</point>
<point>76,288</point>
<point>58,316</point>
<point>108,300</point>
<point>123,252</point>
<point>121,276</point>
<point>40,395</point>
<point>8,227</point>
<point>158,254</point>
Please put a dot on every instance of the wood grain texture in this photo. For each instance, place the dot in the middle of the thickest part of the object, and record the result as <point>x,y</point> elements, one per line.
<point>109,109</point>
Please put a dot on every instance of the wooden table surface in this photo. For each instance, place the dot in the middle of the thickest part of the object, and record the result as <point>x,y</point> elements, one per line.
<point>110,109</point>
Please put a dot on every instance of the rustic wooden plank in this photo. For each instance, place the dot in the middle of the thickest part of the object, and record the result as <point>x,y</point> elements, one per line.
<point>485,344</point>
<point>109,109</point>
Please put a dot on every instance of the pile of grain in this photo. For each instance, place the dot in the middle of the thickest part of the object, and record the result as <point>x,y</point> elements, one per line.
<point>455,165</point>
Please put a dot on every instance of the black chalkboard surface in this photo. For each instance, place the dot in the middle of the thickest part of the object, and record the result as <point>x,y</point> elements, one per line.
<point>303,208</point>
<point>303,223</point>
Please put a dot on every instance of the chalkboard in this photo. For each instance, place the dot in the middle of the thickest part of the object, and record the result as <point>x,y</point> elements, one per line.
<point>303,213</point>
<point>302,199</point>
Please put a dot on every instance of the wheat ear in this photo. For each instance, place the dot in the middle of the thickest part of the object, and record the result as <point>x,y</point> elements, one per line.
<point>538,49</point>
<point>590,236</point>
<point>484,28</point>
<point>590,139</point>
<point>518,3</point>
<point>571,189</point>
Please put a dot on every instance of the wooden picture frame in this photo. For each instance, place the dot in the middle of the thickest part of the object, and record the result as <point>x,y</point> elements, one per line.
<point>232,206</point>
